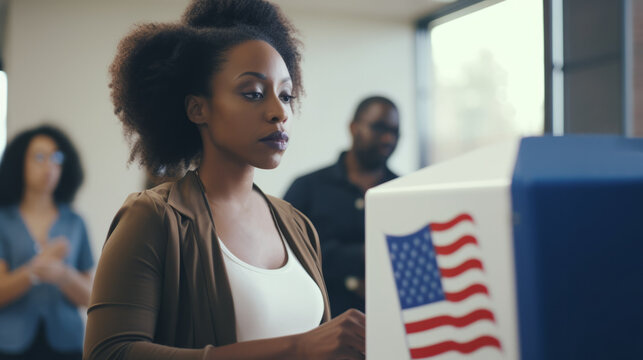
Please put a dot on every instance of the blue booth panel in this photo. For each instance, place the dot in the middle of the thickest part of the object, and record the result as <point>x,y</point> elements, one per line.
<point>578,241</point>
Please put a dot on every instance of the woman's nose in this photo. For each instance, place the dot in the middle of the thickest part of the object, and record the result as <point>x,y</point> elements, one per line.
<point>277,111</point>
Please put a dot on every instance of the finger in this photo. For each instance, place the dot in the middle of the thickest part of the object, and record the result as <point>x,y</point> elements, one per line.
<point>356,328</point>
<point>61,239</point>
<point>361,318</point>
<point>353,354</point>
<point>357,317</point>
<point>357,342</point>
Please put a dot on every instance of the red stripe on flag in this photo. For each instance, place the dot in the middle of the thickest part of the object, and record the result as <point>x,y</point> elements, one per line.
<point>464,348</point>
<point>467,265</point>
<point>451,248</point>
<point>451,223</point>
<point>471,290</point>
<point>428,324</point>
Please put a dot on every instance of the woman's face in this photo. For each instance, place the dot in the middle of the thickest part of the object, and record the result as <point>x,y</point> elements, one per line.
<point>43,165</point>
<point>248,116</point>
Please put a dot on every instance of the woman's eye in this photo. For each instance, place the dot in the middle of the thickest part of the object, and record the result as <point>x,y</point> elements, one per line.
<point>253,95</point>
<point>287,98</point>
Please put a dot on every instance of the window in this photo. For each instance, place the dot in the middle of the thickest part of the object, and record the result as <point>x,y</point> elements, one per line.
<point>486,78</point>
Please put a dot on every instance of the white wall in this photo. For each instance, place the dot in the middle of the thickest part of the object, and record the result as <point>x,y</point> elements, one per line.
<point>57,56</point>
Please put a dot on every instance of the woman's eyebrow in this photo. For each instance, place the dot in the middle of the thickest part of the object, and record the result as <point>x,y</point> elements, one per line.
<point>252,73</point>
<point>261,76</point>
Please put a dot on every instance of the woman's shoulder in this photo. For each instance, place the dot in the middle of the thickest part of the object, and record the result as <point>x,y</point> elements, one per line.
<point>144,207</point>
<point>9,218</point>
<point>7,212</point>
<point>150,200</point>
<point>69,215</point>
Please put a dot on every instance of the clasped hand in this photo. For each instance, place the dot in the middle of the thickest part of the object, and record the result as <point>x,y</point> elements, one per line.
<point>49,265</point>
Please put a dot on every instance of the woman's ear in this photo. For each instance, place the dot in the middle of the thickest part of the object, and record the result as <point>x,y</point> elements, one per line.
<point>353,128</point>
<point>196,109</point>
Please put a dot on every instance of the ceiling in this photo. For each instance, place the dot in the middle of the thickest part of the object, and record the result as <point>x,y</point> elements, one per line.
<point>403,10</point>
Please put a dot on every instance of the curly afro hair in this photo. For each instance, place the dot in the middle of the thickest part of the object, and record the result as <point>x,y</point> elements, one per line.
<point>158,65</point>
<point>262,15</point>
<point>12,166</point>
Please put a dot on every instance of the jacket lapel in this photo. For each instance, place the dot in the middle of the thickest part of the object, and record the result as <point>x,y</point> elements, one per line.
<point>205,273</point>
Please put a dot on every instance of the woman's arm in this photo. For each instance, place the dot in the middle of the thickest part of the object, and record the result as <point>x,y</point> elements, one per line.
<point>76,286</point>
<point>49,267</point>
<point>340,338</point>
<point>13,284</point>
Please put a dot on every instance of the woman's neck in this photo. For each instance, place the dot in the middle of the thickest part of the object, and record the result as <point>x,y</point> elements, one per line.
<point>34,201</point>
<point>224,179</point>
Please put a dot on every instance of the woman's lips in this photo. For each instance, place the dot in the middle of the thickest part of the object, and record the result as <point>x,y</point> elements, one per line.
<point>277,140</point>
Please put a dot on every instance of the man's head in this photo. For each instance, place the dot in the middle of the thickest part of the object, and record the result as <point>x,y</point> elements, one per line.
<point>375,131</point>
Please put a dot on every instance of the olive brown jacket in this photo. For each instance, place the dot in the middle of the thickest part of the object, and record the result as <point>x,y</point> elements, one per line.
<point>161,289</point>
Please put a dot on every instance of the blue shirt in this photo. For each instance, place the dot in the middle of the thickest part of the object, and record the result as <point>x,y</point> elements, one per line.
<point>19,319</point>
<point>335,206</point>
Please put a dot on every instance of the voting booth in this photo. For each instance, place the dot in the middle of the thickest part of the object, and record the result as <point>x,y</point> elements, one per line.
<point>530,249</point>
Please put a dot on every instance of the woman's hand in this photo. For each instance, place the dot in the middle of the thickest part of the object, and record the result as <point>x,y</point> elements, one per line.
<point>50,270</point>
<point>341,338</point>
<point>56,248</point>
<point>49,265</point>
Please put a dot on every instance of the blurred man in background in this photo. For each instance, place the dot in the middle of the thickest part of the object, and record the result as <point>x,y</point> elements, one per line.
<point>333,199</point>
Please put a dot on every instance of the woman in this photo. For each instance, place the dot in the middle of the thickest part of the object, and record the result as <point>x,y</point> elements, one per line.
<point>45,258</point>
<point>208,267</point>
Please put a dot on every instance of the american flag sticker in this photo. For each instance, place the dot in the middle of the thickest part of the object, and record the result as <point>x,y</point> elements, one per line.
<point>444,299</point>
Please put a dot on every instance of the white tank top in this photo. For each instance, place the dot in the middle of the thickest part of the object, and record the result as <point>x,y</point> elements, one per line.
<point>272,302</point>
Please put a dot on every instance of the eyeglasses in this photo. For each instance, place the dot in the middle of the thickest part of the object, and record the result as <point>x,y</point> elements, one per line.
<point>381,129</point>
<point>57,157</point>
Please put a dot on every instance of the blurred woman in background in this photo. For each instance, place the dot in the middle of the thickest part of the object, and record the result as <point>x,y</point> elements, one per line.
<point>45,257</point>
